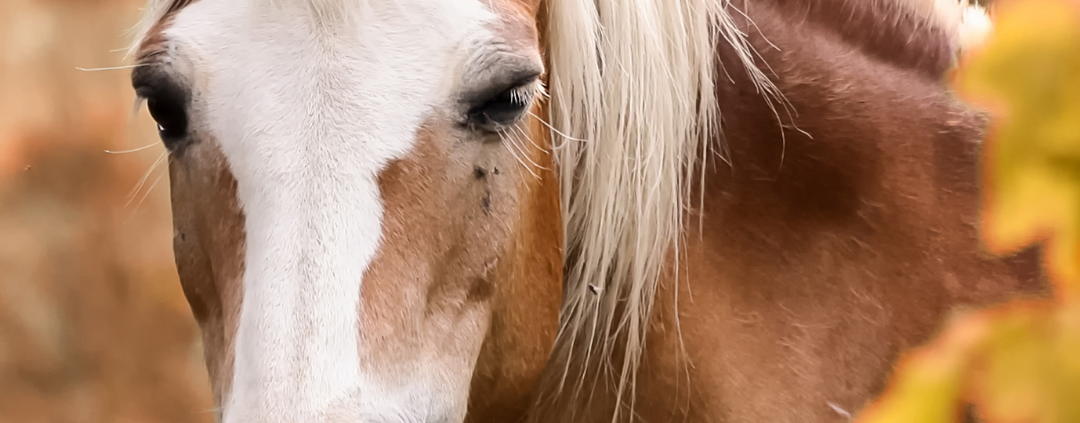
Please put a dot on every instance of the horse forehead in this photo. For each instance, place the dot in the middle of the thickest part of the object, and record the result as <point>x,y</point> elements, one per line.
<point>449,19</point>
<point>381,45</point>
<point>374,68</point>
<point>290,36</point>
<point>371,60</point>
<point>387,33</point>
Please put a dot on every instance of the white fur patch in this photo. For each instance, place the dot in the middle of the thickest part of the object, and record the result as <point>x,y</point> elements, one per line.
<point>975,27</point>
<point>309,103</point>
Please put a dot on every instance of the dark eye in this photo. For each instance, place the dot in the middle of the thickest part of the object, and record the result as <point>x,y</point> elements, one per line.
<point>503,107</point>
<point>169,115</point>
<point>167,103</point>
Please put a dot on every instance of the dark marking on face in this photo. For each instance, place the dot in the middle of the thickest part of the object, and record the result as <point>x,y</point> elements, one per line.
<point>480,290</point>
<point>496,171</point>
<point>486,203</point>
<point>479,172</point>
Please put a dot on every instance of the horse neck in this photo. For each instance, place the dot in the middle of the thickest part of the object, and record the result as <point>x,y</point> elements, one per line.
<point>921,35</point>
<point>860,105</point>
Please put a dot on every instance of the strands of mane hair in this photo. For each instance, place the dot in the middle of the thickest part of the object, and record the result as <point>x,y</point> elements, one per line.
<point>949,16</point>
<point>944,14</point>
<point>975,27</point>
<point>632,107</point>
<point>155,11</point>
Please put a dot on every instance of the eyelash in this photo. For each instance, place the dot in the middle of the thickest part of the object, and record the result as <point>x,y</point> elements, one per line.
<point>499,112</point>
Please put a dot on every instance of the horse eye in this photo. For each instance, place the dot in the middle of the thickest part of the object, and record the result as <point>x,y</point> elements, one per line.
<point>495,113</point>
<point>168,111</point>
<point>167,103</point>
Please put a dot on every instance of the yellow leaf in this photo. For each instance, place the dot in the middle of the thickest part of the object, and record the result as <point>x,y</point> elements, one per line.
<point>930,381</point>
<point>1028,75</point>
<point>1019,362</point>
<point>1030,368</point>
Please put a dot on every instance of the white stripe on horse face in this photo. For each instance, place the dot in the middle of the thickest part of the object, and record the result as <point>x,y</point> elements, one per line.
<point>308,111</point>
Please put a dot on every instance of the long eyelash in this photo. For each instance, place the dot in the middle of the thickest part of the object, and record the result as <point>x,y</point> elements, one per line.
<point>520,96</point>
<point>524,94</point>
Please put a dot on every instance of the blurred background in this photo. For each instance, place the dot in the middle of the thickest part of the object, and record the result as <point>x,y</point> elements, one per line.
<point>93,325</point>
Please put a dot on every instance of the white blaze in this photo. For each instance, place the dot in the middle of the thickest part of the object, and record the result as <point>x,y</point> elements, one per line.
<point>309,107</point>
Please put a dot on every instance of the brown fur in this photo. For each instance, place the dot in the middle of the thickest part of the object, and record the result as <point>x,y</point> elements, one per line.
<point>903,33</point>
<point>208,242</point>
<point>525,314</point>
<point>823,257</point>
<point>444,223</point>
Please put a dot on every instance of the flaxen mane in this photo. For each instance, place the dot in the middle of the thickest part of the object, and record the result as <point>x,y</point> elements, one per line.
<point>153,14</point>
<point>633,108</point>
<point>633,105</point>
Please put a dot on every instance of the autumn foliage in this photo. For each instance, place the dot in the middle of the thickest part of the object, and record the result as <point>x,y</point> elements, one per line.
<point>1017,362</point>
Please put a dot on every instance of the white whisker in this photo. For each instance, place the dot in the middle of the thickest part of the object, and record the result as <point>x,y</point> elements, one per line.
<point>521,148</point>
<point>552,128</point>
<point>109,68</point>
<point>133,150</point>
<point>142,181</point>
<point>145,195</point>
<point>511,147</point>
<point>522,134</point>
<point>525,132</point>
<point>149,190</point>
<point>842,412</point>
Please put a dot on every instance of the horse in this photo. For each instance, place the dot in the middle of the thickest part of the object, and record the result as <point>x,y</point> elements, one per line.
<point>566,210</point>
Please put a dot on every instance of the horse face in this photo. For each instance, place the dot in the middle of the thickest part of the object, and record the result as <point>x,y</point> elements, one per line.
<point>342,193</point>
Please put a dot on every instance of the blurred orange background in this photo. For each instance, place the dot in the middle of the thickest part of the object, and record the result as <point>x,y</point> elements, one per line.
<point>93,325</point>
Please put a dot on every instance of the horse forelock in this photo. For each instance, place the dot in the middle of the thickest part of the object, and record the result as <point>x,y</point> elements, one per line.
<point>154,15</point>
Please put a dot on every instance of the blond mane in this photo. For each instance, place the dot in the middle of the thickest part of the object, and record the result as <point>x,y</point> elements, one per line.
<point>633,106</point>
<point>153,14</point>
<point>633,109</point>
